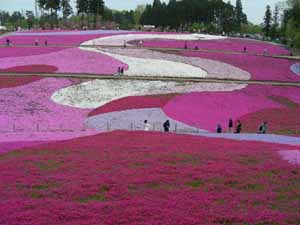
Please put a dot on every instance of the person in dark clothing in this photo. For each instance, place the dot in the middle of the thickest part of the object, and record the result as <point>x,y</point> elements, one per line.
<point>230,126</point>
<point>7,42</point>
<point>196,48</point>
<point>185,45</point>
<point>46,43</point>
<point>263,128</point>
<point>119,70</point>
<point>238,127</point>
<point>166,126</point>
<point>219,129</point>
<point>122,70</point>
<point>245,49</point>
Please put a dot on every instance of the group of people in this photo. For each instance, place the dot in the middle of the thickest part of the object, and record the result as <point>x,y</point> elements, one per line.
<point>120,70</point>
<point>166,126</point>
<point>36,42</point>
<point>238,128</point>
<point>263,128</point>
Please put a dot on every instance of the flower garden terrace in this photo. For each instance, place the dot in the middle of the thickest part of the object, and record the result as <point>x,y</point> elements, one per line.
<point>72,149</point>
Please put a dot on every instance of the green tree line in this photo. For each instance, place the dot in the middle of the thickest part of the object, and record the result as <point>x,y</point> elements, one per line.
<point>210,15</point>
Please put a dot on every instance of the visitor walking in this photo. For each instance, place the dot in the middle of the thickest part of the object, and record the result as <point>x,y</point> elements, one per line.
<point>245,49</point>
<point>230,126</point>
<point>265,51</point>
<point>124,44</point>
<point>263,128</point>
<point>122,71</point>
<point>141,43</point>
<point>238,127</point>
<point>185,45</point>
<point>36,42</point>
<point>46,43</point>
<point>166,126</point>
<point>7,42</point>
<point>147,126</point>
<point>119,70</point>
<point>219,129</point>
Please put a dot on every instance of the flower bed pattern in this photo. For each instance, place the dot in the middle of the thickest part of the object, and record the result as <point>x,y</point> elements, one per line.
<point>133,102</point>
<point>28,114</point>
<point>213,68</point>
<point>229,44</point>
<point>96,93</point>
<point>119,40</point>
<point>120,177</point>
<point>71,60</point>
<point>260,68</point>
<point>27,51</point>
<point>13,81</point>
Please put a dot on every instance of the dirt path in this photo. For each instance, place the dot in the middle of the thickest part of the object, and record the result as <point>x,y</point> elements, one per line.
<point>153,78</point>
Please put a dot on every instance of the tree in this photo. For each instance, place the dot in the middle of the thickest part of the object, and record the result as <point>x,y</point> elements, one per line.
<point>138,13</point>
<point>52,6</point>
<point>66,8</point>
<point>96,8</point>
<point>240,17</point>
<point>267,22</point>
<point>30,19</point>
<point>275,24</point>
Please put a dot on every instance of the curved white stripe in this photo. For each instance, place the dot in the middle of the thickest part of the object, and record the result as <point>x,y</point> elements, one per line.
<point>118,40</point>
<point>154,67</point>
<point>95,93</point>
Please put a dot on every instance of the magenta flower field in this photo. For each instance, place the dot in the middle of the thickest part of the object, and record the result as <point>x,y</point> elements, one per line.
<point>74,150</point>
<point>149,178</point>
<point>230,45</point>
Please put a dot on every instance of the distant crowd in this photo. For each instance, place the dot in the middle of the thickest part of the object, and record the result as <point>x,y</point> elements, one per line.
<point>263,128</point>
<point>36,42</point>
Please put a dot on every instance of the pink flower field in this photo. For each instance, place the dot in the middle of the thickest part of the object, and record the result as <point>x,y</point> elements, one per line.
<point>72,150</point>
<point>149,178</point>
<point>229,45</point>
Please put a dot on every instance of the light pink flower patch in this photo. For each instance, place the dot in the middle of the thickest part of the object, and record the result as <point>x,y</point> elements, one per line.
<point>68,61</point>
<point>292,156</point>
<point>260,68</point>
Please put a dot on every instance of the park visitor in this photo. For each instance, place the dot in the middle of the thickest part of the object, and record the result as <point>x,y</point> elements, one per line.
<point>238,127</point>
<point>219,129</point>
<point>263,128</point>
<point>166,126</point>
<point>147,126</point>
<point>230,125</point>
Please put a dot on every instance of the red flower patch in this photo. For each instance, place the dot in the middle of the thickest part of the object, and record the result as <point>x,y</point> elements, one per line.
<point>134,102</point>
<point>15,81</point>
<point>280,121</point>
<point>30,69</point>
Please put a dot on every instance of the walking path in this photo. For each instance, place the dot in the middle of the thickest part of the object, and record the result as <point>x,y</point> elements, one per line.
<point>154,78</point>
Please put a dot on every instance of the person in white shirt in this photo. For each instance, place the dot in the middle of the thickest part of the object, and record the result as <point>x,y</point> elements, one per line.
<point>147,126</point>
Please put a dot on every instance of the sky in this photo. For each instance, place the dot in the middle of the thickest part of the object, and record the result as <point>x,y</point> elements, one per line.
<point>253,8</point>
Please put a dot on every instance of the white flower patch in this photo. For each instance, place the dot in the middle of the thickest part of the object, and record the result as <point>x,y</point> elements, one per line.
<point>154,67</point>
<point>118,40</point>
<point>95,93</point>
<point>215,69</point>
